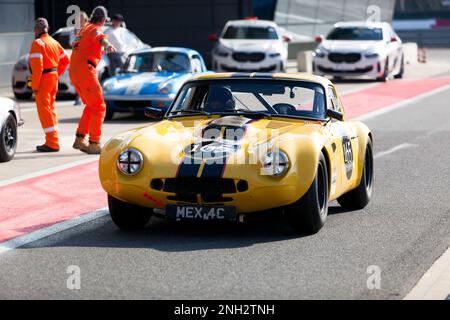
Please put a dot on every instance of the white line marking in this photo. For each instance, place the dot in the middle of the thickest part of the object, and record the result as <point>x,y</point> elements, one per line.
<point>394,149</point>
<point>48,171</point>
<point>435,283</point>
<point>51,230</point>
<point>400,104</point>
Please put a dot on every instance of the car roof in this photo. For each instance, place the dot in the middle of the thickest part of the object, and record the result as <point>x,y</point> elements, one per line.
<point>171,49</point>
<point>252,22</point>
<point>368,24</point>
<point>257,75</point>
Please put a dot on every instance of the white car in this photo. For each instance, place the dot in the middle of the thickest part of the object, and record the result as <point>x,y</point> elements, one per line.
<point>9,121</point>
<point>360,49</point>
<point>65,87</point>
<point>250,45</point>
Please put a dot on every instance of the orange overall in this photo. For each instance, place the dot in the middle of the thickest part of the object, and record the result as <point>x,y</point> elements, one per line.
<point>48,61</point>
<point>86,54</point>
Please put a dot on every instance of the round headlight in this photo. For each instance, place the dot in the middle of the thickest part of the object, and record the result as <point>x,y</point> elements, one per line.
<point>275,163</point>
<point>130,162</point>
<point>165,88</point>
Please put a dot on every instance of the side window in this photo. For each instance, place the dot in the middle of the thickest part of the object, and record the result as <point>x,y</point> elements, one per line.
<point>334,103</point>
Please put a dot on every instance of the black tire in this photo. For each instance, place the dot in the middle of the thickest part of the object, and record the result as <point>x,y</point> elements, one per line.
<point>385,75</point>
<point>402,70</point>
<point>309,213</point>
<point>8,139</point>
<point>128,216</point>
<point>359,198</point>
<point>23,96</point>
<point>109,114</point>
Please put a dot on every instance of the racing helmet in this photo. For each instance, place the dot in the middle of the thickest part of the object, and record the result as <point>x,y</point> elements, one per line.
<point>219,98</point>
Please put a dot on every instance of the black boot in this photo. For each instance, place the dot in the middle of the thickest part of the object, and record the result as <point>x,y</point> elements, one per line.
<point>46,148</point>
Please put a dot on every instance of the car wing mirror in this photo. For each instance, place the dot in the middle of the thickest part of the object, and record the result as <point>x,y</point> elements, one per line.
<point>335,114</point>
<point>154,113</point>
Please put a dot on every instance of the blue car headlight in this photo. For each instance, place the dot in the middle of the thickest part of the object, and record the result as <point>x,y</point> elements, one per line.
<point>165,88</point>
<point>108,85</point>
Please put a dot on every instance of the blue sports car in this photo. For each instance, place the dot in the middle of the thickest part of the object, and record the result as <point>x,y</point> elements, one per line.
<point>151,78</point>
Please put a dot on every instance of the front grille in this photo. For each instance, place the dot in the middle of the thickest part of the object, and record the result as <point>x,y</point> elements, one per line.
<point>199,185</point>
<point>344,57</point>
<point>209,189</point>
<point>249,56</point>
<point>130,104</point>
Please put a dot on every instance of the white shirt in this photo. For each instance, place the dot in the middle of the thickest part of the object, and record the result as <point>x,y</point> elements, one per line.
<point>116,38</point>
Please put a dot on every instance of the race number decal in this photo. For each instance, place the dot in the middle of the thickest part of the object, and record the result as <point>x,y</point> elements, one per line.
<point>348,156</point>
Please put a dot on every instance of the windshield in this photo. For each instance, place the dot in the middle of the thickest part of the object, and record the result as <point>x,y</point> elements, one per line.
<point>241,96</point>
<point>238,32</point>
<point>356,33</point>
<point>158,62</point>
<point>63,39</point>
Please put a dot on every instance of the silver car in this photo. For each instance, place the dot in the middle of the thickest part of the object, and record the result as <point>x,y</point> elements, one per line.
<point>10,119</point>
<point>65,88</point>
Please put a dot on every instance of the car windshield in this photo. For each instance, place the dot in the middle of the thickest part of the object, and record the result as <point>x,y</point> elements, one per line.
<point>158,62</point>
<point>259,97</point>
<point>241,32</point>
<point>355,33</point>
<point>64,39</point>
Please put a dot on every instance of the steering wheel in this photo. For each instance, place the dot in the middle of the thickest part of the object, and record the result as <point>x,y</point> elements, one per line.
<point>284,108</point>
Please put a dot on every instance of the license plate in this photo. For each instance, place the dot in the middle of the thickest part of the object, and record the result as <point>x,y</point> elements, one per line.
<point>205,213</point>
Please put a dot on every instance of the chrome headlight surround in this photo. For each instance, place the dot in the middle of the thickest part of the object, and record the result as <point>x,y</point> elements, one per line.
<point>275,163</point>
<point>130,162</point>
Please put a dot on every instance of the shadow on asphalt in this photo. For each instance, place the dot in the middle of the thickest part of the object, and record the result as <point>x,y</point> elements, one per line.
<point>171,236</point>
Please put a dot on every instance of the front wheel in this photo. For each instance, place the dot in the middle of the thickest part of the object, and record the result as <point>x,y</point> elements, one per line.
<point>128,216</point>
<point>309,213</point>
<point>385,75</point>
<point>359,198</point>
<point>8,139</point>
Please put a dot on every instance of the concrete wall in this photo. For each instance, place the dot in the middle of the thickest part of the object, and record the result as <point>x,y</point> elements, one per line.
<point>16,34</point>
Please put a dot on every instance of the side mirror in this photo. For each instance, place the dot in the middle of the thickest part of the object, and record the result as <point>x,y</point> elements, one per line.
<point>213,37</point>
<point>394,39</point>
<point>154,113</point>
<point>335,114</point>
<point>318,39</point>
<point>287,38</point>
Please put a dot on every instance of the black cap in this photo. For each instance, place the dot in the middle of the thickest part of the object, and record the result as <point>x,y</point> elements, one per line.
<point>100,12</point>
<point>117,16</point>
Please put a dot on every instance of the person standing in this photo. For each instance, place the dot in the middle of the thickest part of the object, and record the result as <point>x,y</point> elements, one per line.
<point>48,61</point>
<point>81,20</point>
<point>115,35</point>
<point>87,52</point>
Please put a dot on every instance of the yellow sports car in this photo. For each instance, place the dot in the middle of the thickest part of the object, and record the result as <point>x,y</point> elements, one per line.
<point>235,144</point>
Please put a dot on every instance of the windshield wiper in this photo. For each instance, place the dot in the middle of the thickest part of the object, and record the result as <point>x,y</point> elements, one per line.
<point>262,113</point>
<point>190,111</point>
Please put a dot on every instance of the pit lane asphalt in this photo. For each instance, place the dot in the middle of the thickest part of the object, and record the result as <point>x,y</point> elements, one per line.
<point>403,231</point>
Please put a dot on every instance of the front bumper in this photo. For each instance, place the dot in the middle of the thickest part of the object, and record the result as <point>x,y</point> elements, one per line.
<point>123,103</point>
<point>364,68</point>
<point>228,64</point>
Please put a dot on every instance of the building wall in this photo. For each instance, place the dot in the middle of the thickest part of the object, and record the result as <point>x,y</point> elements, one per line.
<point>160,22</point>
<point>16,34</point>
<point>308,18</point>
